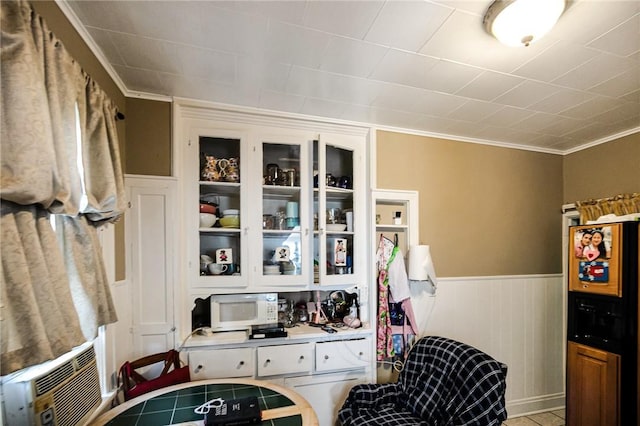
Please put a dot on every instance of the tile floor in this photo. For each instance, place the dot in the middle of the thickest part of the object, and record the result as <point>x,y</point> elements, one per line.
<point>548,418</point>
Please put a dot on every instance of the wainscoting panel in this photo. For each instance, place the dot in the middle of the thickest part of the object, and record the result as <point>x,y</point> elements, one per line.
<point>518,320</point>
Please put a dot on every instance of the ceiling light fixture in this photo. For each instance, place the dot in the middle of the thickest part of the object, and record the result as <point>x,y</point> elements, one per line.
<point>522,22</point>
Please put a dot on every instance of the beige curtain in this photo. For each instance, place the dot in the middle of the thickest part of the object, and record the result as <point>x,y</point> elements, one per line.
<point>55,293</point>
<point>619,205</point>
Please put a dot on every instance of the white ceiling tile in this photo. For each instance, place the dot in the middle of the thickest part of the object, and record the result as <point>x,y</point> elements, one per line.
<point>226,30</point>
<point>449,77</point>
<point>633,96</point>
<point>474,111</point>
<point>407,24</point>
<point>295,45</point>
<point>277,11</point>
<point>278,101</point>
<point>140,52</point>
<point>535,122</point>
<point>618,113</point>
<point>141,80</point>
<point>590,107</point>
<point>595,71</point>
<point>623,40</point>
<point>562,126</point>
<point>347,18</point>
<point>507,116</point>
<point>620,85</point>
<point>560,101</point>
<point>206,63</point>
<point>105,42</point>
<point>324,85</point>
<point>323,107</point>
<point>489,85</point>
<point>586,20</point>
<point>472,6</point>
<point>557,60</point>
<point>352,57</point>
<point>526,94</point>
<point>404,68</point>
<point>264,74</point>
<point>419,101</point>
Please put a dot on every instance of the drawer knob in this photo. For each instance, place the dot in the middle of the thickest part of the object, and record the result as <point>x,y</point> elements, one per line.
<point>267,361</point>
<point>326,357</point>
<point>360,353</point>
<point>241,363</point>
<point>301,356</point>
<point>198,368</point>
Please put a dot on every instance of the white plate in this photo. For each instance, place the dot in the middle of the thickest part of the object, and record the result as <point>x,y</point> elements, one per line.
<point>271,273</point>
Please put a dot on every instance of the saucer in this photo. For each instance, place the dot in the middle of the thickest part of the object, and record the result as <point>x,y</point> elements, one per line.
<point>271,273</point>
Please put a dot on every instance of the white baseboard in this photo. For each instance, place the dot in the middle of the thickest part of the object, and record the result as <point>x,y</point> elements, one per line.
<point>528,406</point>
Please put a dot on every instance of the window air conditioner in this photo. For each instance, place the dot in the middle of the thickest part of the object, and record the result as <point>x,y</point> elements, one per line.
<point>61,392</point>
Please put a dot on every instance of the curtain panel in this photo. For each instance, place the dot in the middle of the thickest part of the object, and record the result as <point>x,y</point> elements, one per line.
<point>55,292</point>
<point>619,205</point>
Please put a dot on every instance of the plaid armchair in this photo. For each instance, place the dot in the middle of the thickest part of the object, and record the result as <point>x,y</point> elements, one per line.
<point>443,382</point>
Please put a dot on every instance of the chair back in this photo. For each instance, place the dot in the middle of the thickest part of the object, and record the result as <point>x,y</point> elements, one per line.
<point>449,382</point>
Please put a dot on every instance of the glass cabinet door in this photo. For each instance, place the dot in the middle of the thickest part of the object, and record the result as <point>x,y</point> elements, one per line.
<point>284,212</point>
<point>221,250</point>
<point>339,203</point>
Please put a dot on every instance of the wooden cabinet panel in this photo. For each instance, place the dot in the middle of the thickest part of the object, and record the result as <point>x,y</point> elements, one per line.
<point>593,386</point>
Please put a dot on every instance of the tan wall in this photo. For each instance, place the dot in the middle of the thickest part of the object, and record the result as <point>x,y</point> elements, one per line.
<point>148,137</point>
<point>603,171</point>
<point>62,28</point>
<point>484,210</point>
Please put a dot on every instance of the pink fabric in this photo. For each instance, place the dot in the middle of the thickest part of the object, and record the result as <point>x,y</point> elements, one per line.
<point>384,346</point>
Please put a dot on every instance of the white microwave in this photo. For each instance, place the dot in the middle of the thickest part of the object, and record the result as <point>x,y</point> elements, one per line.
<point>241,311</point>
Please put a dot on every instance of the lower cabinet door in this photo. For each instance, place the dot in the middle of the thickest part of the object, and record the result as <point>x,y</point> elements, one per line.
<point>593,386</point>
<point>284,359</point>
<point>222,363</point>
<point>325,392</point>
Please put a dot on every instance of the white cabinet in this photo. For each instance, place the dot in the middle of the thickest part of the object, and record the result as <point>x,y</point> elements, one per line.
<point>285,359</point>
<point>339,201</point>
<point>343,354</point>
<point>264,168</point>
<point>325,392</point>
<point>223,363</point>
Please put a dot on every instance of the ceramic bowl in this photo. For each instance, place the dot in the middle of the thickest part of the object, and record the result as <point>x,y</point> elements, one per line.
<point>208,208</point>
<point>207,220</point>
<point>336,227</point>
<point>230,222</point>
<point>230,212</point>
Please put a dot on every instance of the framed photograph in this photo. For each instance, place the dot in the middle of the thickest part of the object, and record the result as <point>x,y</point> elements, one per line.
<point>340,252</point>
<point>224,255</point>
<point>282,254</point>
<point>594,259</point>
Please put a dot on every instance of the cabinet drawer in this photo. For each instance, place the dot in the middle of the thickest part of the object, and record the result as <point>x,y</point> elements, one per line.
<point>284,359</point>
<point>222,363</point>
<point>342,354</point>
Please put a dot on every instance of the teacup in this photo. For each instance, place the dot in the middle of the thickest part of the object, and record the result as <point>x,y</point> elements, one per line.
<point>217,268</point>
<point>232,268</point>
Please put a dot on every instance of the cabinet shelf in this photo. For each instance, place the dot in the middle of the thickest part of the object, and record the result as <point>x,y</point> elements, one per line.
<point>217,231</point>
<point>279,191</point>
<point>336,193</point>
<point>391,228</point>
<point>219,188</point>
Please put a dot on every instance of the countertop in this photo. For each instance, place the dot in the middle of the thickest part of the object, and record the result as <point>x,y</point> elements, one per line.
<point>298,332</point>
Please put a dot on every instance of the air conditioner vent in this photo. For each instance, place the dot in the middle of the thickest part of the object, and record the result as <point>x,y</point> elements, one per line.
<point>78,397</point>
<point>85,358</point>
<point>54,378</point>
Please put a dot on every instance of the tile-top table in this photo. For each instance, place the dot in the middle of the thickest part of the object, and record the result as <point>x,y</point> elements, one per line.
<point>175,405</point>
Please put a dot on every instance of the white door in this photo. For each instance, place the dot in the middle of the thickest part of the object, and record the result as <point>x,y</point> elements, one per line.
<point>151,226</point>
